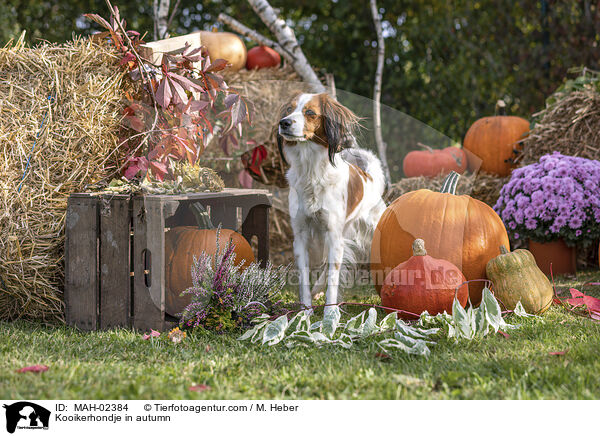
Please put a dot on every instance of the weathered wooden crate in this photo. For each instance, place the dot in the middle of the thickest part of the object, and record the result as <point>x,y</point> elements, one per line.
<point>115,251</point>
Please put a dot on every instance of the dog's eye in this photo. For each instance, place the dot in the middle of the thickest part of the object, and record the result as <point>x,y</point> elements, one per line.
<point>310,113</point>
<point>288,110</point>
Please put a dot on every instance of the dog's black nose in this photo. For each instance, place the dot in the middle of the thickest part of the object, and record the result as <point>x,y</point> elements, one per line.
<point>285,123</point>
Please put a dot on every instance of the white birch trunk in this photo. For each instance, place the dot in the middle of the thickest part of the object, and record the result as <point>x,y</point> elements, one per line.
<point>381,146</point>
<point>161,19</point>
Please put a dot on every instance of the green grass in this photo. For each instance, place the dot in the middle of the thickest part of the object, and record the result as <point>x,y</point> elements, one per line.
<point>118,364</point>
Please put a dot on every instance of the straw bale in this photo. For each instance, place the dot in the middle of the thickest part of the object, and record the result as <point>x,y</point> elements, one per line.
<point>570,126</point>
<point>482,186</point>
<point>74,149</point>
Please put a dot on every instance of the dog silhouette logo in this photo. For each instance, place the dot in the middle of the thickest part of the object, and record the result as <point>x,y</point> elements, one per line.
<point>26,415</point>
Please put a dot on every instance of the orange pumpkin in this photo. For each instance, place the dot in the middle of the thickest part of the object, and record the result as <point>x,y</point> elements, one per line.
<point>262,57</point>
<point>424,283</point>
<point>430,162</point>
<point>185,242</point>
<point>457,228</point>
<point>225,45</point>
<point>495,140</point>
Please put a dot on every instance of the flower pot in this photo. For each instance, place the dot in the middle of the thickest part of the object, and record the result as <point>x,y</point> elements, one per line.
<point>557,253</point>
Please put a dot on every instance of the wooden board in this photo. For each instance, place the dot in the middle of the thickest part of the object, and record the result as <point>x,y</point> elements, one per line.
<point>81,254</point>
<point>153,51</point>
<point>114,263</point>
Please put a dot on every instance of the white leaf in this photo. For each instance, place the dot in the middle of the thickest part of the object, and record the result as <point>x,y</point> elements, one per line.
<point>389,322</point>
<point>319,337</point>
<point>275,331</point>
<point>353,326</point>
<point>520,311</point>
<point>331,321</point>
<point>370,325</point>
<point>344,340</point>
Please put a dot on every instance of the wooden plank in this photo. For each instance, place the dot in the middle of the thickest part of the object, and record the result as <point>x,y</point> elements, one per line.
<point>81,260</point>
<point>256,222</point>
<point>114,264</point>
<point>153,51</point>
<point>148,254</point>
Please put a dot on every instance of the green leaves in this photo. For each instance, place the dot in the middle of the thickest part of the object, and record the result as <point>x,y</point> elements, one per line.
<point>472,322</point>
<point>299,331</point>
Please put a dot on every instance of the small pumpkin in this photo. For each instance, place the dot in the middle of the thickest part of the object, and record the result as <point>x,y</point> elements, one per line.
<point>424,283</point>
<point>183,243</point>
<point>457,228</point>
<point>495,140</point>
<point>516,277</point>
<point>225,45</point>
<point>262,57</point>
<point>430,162</point>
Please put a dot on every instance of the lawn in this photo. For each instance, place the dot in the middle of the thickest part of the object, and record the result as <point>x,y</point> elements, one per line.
<point>118,364</point>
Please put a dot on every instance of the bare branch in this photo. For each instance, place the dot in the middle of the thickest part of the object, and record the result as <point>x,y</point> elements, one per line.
<point>255,36</point>
<point>381,146</point>
<point>172,15</point>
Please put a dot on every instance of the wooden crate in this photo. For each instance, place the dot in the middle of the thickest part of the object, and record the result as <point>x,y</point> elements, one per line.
<point>115,251</point>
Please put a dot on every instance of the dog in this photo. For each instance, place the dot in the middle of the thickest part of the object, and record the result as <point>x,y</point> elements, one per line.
<point>335,197</point>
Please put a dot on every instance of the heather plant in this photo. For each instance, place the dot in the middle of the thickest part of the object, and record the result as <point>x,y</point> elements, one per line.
<point>225,297</point>
<point>558,197</point>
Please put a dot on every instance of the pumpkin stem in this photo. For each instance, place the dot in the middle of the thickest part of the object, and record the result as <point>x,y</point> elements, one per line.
<point>449,186</point>
<point>503,250</point>
<point>500,107</point>
<point>425,146</point>
<point>202,217</point>
<point>418,248</point>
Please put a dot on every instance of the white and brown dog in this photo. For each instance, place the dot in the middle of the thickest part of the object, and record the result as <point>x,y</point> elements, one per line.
<point>335,194</point>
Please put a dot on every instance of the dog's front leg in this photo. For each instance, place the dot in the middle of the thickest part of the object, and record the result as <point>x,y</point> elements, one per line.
<point>302,263</point>
<point>335,242</point>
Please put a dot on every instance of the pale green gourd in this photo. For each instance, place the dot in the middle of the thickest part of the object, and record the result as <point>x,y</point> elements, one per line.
<point>516,277</point>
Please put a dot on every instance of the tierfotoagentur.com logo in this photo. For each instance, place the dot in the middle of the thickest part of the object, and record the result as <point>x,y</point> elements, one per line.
<point>26,415</point>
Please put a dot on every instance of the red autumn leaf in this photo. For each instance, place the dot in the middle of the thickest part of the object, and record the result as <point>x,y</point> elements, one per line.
<point>383,356</point>
<point>34,368</point>
<point>199,388</point>
<point>245,179</point>
<point>164,94</point>
<point>217,65</point>
<point>136,164</point>
<point>506,335</point>
<point>159,170</point>
<point>558,353</point>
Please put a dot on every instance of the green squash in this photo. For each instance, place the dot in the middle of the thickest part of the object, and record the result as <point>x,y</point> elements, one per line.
<point>516,277</point>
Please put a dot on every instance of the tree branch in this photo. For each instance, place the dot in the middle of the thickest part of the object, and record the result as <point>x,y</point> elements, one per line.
<point>381,146</point>
<point>172,15</point>
<point>255,36</point>
<point>287,39</point>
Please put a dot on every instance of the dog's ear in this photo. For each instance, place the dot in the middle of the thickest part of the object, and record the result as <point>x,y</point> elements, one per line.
<point>340,123</point>
<point>280,147</point>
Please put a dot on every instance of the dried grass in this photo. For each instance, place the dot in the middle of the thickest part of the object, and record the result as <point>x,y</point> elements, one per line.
<point>80,131</point>
<point>570,126</point>
<point>482,186</point>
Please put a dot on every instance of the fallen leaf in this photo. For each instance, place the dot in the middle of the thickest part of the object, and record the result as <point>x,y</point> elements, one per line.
<point>199,388</point>
<point>207,349</point>
<point>34,368</point>
<point>558,353</point>
<point>153,334</point>
<point>506,335</point>
<point>382,356</point>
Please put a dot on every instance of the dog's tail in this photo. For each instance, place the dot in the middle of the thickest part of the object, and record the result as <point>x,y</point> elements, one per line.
<point>369,163</point>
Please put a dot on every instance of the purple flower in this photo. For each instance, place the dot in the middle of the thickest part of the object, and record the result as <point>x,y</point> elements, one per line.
<point>575,222</point>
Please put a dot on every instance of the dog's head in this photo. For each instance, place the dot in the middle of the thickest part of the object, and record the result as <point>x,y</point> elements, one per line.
<point>317,118</point>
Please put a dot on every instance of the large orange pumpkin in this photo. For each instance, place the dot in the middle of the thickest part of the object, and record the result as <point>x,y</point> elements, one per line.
<point>430,162</point>
<point>185,242</point>
<point>424,283</point>
<point>457,228</point>
<point>225,45</point>
<point>495,141</point>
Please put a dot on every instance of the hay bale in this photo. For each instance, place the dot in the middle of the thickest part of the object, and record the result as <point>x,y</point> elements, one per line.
<point>482,186</point>
<point>74,149</point>
<point>570,124</point>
